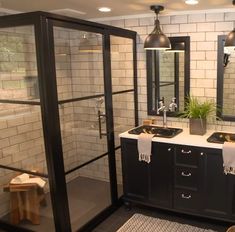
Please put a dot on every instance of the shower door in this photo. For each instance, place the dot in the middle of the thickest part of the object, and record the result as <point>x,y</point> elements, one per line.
<point>83,119</point>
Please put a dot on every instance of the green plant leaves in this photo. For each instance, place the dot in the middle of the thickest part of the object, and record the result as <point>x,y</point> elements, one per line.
<point>196,109</point>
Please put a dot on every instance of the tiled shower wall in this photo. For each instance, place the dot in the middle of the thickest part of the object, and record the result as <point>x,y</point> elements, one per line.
<point>203,29</point>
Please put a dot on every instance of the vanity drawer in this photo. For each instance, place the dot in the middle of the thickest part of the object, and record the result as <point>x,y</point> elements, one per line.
<point>186,200</point>
<point>186,177</point>
<point>187,155</point>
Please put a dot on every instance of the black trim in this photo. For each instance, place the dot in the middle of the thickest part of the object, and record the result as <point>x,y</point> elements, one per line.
<point>177,78</point>
<point>43,26</point>
<point>135,81</point>
<point>80,98</point>
<point>152,59</point>
<point>51,124</point>
<point>20,102</point>
<point>24,171</point>
<point>109,117</point>
<point>86,163</point>
<point>220,81</point>
<point>12,228</point>
<point>91,97</point>
<point>100,217</point>
<point>123,91</point>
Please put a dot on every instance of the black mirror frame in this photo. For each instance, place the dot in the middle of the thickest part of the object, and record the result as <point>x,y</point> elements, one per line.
<point>149,58</point>
<point>220,80</point>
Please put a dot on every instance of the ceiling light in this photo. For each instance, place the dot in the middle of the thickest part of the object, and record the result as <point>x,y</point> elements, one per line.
<point>191,2</point>
<point>156,40</point>
<point>104,9</point>
<point>230,39</point>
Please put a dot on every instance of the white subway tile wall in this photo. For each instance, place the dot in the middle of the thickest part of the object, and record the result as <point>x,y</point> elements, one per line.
<point>203,29</point>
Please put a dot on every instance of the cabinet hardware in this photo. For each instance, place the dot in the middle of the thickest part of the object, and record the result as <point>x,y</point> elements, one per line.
<point>201,153</point>
<point>169,149</point>
<point>185,196</point>
<point>186,152</point>
<point>186,174</point>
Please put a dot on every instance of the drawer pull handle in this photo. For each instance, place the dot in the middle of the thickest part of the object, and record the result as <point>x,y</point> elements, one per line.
<point>186,152</point>
<point>186,174</point>
<point>201,153</point>
<point>186,196</point>
<point>169,149</point>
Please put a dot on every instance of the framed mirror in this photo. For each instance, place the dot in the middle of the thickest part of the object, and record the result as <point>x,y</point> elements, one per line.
<point>225,81</point>
<point>168,76</point>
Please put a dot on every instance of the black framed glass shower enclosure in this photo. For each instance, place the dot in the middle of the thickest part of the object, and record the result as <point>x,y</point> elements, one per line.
<point>68,87</point>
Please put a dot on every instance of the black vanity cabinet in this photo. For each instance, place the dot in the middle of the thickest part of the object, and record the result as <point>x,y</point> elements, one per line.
<point>160,175</point>
<point>217,194</point>
<point>186,179</point>
<point>135,173</point>
<point>188,184</point>
<point>148,183</point>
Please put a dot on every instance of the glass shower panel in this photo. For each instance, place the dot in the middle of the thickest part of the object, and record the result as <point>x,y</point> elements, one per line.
<point>122,63</point>
<point>88,192</point>
<point>123,114</point>
<point>18,64</point>
<point>21,137</point>
<point>79,63</point>
<point>124,119</point>
<point>28,204</point>
<point>83,130</point>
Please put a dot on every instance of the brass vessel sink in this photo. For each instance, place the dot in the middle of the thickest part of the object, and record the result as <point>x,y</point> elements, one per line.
<point>221,137</point>
<point>166,132</point>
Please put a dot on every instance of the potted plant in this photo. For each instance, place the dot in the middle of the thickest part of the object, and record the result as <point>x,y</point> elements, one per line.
<point>198,112</point>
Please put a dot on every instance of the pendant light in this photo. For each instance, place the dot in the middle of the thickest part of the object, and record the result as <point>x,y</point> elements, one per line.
<point>230,39</point>
<point>156,40</point>
<point>177,47</point>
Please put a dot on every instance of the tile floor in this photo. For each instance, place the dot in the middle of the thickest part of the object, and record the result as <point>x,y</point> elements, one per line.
<point>117,219</point>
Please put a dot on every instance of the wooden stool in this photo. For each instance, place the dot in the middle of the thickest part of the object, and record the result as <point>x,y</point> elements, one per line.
<point>25,200</point>
<point>231,229</point>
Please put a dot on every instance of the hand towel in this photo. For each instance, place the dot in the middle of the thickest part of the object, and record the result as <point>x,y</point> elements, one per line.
<point>36,180</point>
<point>20,179</point>
<point>229,158</point>
<point>145,147</point>
<point>25,179</point>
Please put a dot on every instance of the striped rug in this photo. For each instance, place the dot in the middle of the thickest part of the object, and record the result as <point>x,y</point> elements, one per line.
<point>141,223</point>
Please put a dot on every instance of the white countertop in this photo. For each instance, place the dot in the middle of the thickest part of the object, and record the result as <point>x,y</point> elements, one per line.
<point>183,138</point>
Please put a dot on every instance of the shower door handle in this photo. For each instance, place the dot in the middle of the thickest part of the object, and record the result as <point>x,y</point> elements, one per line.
<point>100,115</point>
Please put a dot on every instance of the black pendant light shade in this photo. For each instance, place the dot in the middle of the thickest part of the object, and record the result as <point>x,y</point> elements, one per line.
<point>177,47</point>
<point>230,39</point>
<point>156,40</point>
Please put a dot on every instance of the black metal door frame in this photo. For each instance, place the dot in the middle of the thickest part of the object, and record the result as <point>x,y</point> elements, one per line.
<point>43,24</point>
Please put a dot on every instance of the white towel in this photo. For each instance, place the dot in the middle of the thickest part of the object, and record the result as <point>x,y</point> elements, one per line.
<point>20,179</point>
<point>145,147</point>
<point>229,158</point>
<point>25,179</point>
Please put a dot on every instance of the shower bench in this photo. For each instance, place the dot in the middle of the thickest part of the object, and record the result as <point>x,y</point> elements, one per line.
<point>25,201</point>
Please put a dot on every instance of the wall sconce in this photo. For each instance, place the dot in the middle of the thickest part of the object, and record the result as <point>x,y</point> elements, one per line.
<point>230,39</point>
<point>156,40</point>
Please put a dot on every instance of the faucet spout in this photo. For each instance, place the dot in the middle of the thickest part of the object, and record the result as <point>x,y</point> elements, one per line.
<point>164,110</point>
<point>164,118</point>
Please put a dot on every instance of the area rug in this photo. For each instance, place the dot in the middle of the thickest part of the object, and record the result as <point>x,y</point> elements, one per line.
<point>142,223</point>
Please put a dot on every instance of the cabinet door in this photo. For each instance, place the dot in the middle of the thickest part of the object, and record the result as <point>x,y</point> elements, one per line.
<point>216,185</point>
<point>161,175</point>
<point>135,172</point>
